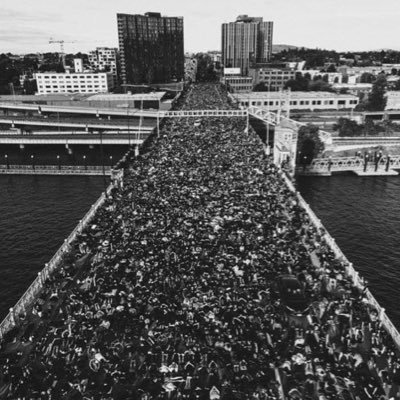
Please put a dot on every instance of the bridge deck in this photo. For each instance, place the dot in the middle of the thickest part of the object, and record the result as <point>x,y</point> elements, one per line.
<point>179,285</point>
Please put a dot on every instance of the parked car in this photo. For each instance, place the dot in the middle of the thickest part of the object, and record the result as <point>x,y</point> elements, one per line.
<point>291,293</point>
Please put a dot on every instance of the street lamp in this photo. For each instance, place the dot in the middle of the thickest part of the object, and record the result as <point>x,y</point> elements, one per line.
<point>58,161</point>
<point>32,159</point>
<point>111,162</point>
<point>84,161</point>
<point>8,165</point>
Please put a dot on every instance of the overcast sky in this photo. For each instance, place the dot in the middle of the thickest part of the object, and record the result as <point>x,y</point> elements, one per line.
<point>27,25</point>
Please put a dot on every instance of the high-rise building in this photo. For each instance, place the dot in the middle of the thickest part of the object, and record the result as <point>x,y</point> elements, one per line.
<point>151,48</point>
<point>104,59</point>
<point>247,40</point>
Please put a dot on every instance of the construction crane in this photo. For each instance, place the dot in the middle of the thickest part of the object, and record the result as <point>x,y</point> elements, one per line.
<point>61,48</point>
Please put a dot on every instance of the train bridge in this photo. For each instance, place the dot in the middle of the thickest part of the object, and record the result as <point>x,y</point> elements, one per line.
<point>363,166</point>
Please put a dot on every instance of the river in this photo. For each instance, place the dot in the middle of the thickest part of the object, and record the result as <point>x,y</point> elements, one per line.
<point>36,214</point>
<point>363,215</point>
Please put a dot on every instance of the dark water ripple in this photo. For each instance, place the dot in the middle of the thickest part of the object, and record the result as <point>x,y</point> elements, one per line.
<point>363,215</point>
<point>36,214</point>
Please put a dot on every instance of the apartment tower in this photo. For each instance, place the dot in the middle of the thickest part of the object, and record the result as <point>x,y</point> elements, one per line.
<point>247,40</point>
<point>151,48</point>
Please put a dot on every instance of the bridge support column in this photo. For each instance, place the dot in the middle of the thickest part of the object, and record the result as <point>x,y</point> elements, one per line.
<point>387,163</point>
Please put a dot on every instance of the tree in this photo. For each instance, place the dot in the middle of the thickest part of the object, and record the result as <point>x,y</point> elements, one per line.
<point>377,99</point>
<point>319,86</point>
<point>309,144</point>
<point>30,86</point>
<point>300,83</point>
<point>348,127</point>
<point>331,68</point>
<point>261,87</point>
<point>205,68</point>
<point>366,77</point>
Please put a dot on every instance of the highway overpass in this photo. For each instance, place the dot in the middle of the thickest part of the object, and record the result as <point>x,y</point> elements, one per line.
<point>71,124</point>
<point>75,138</point>
<point>41,109</point>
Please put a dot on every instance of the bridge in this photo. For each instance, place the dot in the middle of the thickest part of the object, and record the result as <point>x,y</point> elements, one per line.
<point>110,234</point>
<point>134,138</point>
<point>11,169</point>
<point>382,115</point>
<point>89,111</point>
<point>125,112</point>
<point>15,121</point>
<point>385,165</point>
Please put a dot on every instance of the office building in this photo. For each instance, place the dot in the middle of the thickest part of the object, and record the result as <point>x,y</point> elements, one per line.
<point>247,40</point>
<point>273,78</point>
<point>151,48</point>
<point>238,84</point>
<point>81,82</point>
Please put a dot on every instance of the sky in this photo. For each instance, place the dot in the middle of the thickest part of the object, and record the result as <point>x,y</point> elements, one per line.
<point>343,25</point>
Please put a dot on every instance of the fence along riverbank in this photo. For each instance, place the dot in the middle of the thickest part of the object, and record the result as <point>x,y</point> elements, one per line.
<point>180,287</point>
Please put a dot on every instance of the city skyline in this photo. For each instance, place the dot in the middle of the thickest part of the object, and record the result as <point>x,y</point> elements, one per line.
<point>93,23</point>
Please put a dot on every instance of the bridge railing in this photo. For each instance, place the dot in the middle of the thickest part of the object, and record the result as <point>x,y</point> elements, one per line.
<point>27,299</point>
<point>355,276</point>
<point>203,113</point>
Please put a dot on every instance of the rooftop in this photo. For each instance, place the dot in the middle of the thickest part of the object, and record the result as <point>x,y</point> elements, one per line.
<point>292,95</point>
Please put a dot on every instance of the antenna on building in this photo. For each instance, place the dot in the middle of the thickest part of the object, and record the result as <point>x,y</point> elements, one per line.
<point>62,54</point>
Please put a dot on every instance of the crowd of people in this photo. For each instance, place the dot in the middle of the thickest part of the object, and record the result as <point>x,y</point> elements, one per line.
<point>170,293</point>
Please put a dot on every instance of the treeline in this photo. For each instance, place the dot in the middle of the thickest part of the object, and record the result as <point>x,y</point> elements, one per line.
<point>206,69</point>
<point>348,127</point>
<point>315,58</point>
